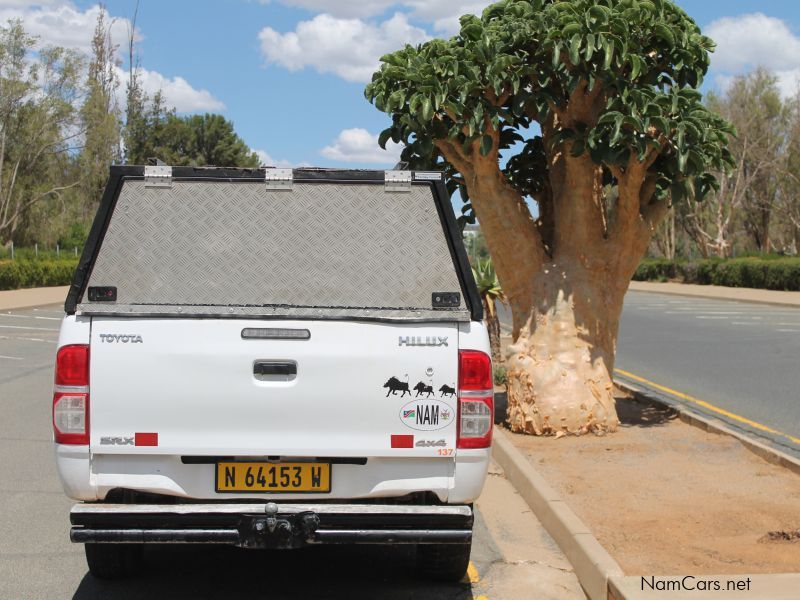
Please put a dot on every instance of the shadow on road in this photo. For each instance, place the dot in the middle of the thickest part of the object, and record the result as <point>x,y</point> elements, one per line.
<point>223,572</point>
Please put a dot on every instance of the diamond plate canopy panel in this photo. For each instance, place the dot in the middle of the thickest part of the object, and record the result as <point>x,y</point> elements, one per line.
<point>336,247</point>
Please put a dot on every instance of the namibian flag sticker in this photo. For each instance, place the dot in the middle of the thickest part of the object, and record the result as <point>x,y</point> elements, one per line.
<point>409,414</point>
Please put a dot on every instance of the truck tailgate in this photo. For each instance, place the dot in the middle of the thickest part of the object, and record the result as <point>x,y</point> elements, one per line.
<point>225,387</point>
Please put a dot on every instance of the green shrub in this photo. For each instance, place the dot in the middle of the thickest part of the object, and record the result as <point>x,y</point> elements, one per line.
<point>15,274</point>
<point>75,237</point>
<point>773,272</point>
<point>500,375</point>
<point>655,269</point>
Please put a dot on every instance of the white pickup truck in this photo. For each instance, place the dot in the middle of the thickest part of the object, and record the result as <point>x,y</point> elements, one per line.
<point>272,358</point>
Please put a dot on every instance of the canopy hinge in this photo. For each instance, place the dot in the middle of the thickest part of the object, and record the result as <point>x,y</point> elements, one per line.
<point>398,181</point>
<point>279,179</point>
<point>158,176</point>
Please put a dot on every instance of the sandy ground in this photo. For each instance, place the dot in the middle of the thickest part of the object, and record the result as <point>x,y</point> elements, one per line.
<point>666,498</point>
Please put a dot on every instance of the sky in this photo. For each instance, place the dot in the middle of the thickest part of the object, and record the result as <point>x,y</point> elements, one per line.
<point>290,74</point>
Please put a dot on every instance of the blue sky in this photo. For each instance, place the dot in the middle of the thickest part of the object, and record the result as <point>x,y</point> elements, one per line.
<point>290,73</point>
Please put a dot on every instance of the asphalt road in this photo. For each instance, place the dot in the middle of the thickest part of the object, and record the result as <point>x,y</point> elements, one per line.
<point>513,557</point>
<point>743,358</point>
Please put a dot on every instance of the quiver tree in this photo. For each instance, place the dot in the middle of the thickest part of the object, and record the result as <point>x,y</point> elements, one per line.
<point>588,111</point>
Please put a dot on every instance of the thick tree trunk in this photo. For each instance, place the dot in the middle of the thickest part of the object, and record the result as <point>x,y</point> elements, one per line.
<point>565,278</point>
<point>559,368</point>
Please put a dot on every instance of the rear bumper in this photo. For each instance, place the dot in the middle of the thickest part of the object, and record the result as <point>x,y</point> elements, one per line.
<point>271,525</point>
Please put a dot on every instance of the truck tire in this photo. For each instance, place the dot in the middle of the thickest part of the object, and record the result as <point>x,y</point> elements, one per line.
<point>114,561</point>
<point>443,562</point>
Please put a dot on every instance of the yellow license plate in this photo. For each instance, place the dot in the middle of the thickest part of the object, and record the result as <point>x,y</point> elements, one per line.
<point>273,477</point>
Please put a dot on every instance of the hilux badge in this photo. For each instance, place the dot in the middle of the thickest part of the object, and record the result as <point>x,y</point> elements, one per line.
<point>411,340</point>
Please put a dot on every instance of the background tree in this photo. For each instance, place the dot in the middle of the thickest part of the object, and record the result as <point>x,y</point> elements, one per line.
<point>38,124</point>
<point>589,108</point>
<point>491,293</point>
<point>202,140</point>
<point>100,116</point>
<point>788,198</point>
<point>745,200</point>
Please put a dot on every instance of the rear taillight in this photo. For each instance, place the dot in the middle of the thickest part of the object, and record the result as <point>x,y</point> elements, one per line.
<point>475,400</point>
<point>71,395</point>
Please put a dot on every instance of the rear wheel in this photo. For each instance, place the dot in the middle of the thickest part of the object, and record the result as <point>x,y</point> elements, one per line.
<point>443,562</point>
<point>114,561</point>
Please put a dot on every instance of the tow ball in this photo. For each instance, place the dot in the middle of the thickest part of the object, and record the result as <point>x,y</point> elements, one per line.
<point>271,530</point>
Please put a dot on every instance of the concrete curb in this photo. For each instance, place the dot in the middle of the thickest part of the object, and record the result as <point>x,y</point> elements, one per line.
<point>32,297</point>
<point>593,565</point>
<point>689,290</point>
<point>712,425</point>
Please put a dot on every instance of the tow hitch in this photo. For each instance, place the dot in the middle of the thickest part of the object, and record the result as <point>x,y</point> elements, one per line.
<point>278,532</point>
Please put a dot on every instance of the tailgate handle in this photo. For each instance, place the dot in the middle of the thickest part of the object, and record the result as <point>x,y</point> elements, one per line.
<point>274,367</point>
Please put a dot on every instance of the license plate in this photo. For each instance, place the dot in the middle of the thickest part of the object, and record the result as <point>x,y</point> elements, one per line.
<point>273,477</point>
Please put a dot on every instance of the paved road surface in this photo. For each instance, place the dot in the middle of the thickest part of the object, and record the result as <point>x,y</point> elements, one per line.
<point>738,356</point>
<point>513,556</point>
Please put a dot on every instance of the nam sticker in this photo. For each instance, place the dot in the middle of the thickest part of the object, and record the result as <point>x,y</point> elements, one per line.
<point>427,415</point>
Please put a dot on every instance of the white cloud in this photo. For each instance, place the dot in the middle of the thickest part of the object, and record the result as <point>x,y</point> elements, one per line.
<point>349,48</point>
<point>360,146</point>
<point>789,82</point>
<point>748,41</point>
<point>177,92</point>
<point>751,40</point>
<point>442,14</point>
<point>60,23</point>
<point>343,8</point>
<point>27,3</point>
<point>266,160</point>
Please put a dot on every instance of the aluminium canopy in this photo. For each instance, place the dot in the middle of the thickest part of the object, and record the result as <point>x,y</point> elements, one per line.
<point>255,243</point>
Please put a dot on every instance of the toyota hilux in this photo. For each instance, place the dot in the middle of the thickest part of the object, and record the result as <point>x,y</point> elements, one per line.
<point>273,358</point>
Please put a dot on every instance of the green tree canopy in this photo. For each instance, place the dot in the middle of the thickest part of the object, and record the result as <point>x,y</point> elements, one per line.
<point>194,140</point>
<point>591,109</point>
<point>606,78</point>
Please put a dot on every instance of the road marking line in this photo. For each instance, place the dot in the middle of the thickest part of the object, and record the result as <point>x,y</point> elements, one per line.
<point>26,327</point>
<point>10,357</point>
<point>15,316</point>
<point>472,575</point>
<point>25,339</point>
<point>789,330</point>
<point>708,406</point>
<point>689,312</point>
<point>744,323</point>
<point>708,317</point>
